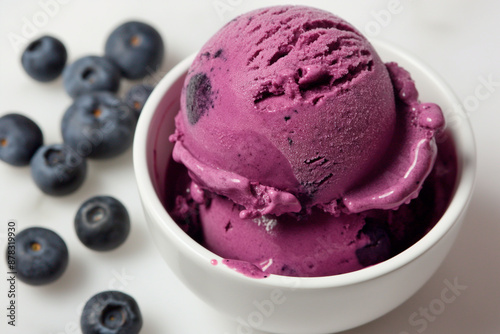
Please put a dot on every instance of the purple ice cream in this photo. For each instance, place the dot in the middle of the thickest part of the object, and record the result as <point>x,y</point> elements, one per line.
<point>293,133</point>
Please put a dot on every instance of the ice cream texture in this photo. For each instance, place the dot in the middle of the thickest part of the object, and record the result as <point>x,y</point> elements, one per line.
<point>291,127</point>
<point>287,108</point>
<point>315,244</point>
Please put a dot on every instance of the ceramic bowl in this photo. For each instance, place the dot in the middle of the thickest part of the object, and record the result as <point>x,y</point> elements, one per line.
<point>282,304</point>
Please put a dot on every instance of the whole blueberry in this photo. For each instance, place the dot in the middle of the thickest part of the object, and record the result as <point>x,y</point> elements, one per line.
<point>20,137</point>
<point>137,96</point>
<point>102,223</point>
<point>137,48</point>
<point>111,312</point>
<point>44,59</point>
<point>379,248</point>
<point>91,74</point>
<point>57,169</point>
<point>98,125</point>
<point>41,256</point>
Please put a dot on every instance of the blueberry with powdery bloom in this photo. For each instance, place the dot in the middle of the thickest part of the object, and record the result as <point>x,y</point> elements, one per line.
<point>91,74</point>
<point>137,48</point>
<point>20,137</point>
<point>99,125</point>
<point>44,58</point>
<point>111,312</point>
<point>102,223</point>
<point>41,256</point>
<point>58,170</point>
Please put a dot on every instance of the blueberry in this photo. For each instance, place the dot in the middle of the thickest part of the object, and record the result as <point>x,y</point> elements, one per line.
<point>198,97</point>
<point>44,58</point>
<point>111,312</point>
<point>98,125</point>
<point>57,169</point>
<point>102,223</point>
<point>41,256</point>
<point>20,137</point>
<point>137,48</point>
<point>136,97</point>
<point>91,74</point>
<point>379,248</point>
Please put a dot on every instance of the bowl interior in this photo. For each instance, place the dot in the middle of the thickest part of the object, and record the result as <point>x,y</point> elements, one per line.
<point>158,146</point>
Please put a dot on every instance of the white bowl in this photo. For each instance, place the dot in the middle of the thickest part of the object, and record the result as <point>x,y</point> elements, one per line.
<point>282,304</point>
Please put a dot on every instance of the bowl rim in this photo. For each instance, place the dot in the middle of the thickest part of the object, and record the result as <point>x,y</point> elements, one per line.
<point>466,153</point>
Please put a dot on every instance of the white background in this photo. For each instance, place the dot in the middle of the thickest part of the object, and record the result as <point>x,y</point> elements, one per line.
<point>457,38</point>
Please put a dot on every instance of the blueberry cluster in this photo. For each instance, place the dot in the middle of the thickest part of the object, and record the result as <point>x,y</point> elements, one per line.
<point>98,124</point>
<point>102,223</point>
<point>41,256</point>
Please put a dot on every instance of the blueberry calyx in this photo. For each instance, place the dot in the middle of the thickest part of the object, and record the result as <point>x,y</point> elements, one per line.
<point>41,256</point>
<point>137,96</point>
<point>58,170</point>
<point>102,223</point>
<point>111,312</point>
<point>98,125</point>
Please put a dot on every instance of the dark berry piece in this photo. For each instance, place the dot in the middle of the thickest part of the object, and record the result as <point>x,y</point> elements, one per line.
<point>218,53</point>
<point>137,48</point>
<point>379,248</point>
<point>99,125</point>
<point>102,223</point>
<point>58,170</point>
<point>91,74</point>
<point>198,97</point>
<point>20,137</point>
<point>111,312</point>
<point>137,96</point>
<point>44,58</point>
<point>41,256</point>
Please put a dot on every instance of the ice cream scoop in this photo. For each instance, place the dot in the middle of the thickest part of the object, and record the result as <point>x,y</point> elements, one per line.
<point>288,108</point>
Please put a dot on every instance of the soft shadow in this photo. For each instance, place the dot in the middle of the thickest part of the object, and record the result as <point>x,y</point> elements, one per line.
<point>135,246</point>
<point>74,277</point>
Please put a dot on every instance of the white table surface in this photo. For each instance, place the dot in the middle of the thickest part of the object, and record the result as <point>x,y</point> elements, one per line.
<point>458,39</point>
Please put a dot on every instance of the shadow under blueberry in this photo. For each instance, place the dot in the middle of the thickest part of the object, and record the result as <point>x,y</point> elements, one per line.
<point>74,277</point>
<point>135,245</point>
